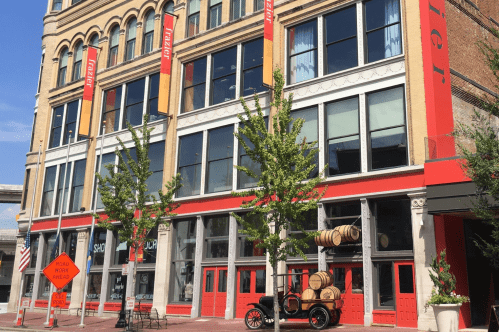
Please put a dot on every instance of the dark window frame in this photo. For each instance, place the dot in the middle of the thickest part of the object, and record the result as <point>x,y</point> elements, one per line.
<point>314,49</point>
<point>189,165</point>
<point>113,49</point>
<point>240,155</point>
<point>26,188</point>
<point>376,290</point>
<point>308,142</point>
<point>244,70</point>
<point>63,69</point>
<point>217,6</point>
<point>129,54</point>
<point>184,88</point>
<point>77,64</point>
<point>208,161</point>
<point>147,34</point>
<point>196,16</point>
<point>126,106</point>
<point>57,5</point>
<point>220,78</point>
<point>222,237</point>
<point>242,9</point>
<point>74,187</point>
<point>45,192</point>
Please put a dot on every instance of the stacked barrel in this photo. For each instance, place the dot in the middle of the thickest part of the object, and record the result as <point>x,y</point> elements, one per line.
<point>320,286</point>
<point>333,238</point>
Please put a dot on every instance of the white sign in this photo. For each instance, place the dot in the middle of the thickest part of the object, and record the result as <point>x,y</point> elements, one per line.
<point>130,303</point>
<point>25,303</point>
<point>124,269</point>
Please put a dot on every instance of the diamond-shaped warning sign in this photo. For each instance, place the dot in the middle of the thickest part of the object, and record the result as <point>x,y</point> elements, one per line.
<point>61,271</point>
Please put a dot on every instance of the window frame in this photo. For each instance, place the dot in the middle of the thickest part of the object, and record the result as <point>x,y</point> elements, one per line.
<point>63,69</point>
<point>147,34</point>
<point>184,88</point>
<point>376,288</point>
<point>126,106</point>
<point>207,238</point>
<point>113,49</point>
<point>74,187</point>
<point>64,125</point>
<point>255,5</point>
<point>208,161</point>
<point>219,78</point>
<point>239,242</point>
<point>55,3</point>
<point>193,16</point>
<point>242,9</point>
<point>244,70</point>
<point>77,64</point>
<point>130,52</point>
<point>217,6</point>
<point>189,165</point>
<point>316,106</point>
<point>315,49</point>
<point>291,231</point>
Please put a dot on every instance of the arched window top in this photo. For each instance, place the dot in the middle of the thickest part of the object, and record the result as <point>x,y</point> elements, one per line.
<point>168,8</point>
<point>64,58</point>
<point>78,52</point>
<point>132,29</point>
<point>94,41</point>
<point>149,26</point>
<point>115,36</point>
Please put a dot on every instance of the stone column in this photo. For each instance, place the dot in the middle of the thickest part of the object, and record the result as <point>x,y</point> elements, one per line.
<point>321,225</point>
<point>196,297</point>
<point>230,308</point>
<point>16,277</point>
<point>105,271</point>
<point>80,261</point>
<point>162,271</point>
<point>281,268</point>
<point>367,262</point>
<point>38,270</point>
<point>423,234</point>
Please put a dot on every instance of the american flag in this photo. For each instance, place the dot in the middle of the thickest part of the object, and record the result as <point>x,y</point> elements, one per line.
<point>25,254</point>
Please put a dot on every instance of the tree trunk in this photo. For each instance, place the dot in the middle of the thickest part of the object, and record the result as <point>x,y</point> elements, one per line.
<point>132,291</point>
<point>276,295</point>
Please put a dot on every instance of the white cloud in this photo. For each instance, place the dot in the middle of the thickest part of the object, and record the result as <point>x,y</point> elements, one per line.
<point>8,107</point>
<point>14,132</point>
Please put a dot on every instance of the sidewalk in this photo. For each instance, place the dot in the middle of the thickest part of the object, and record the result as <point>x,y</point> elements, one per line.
<point>34,322</point>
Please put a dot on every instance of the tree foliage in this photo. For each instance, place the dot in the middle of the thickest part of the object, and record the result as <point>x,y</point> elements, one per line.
<point>284,192</point>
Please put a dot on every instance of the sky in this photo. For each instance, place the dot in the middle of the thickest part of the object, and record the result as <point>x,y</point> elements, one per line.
<point>20,55</point>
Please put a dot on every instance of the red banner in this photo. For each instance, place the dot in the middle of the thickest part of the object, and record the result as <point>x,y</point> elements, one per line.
<point>166,66</point>
<point>88,92</point>
<point>268,28</point>
<point>268,34</point>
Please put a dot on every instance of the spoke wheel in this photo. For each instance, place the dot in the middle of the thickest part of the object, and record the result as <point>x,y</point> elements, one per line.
<point>335,317</point>
<point>319,318</point>
<point>291,305</point>
<point>254,319</point>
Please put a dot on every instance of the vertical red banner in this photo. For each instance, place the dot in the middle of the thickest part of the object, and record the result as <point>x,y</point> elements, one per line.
<point>166,66</point>
<point>268,38</point>
<point>439,115</point>
<point>88,92</point>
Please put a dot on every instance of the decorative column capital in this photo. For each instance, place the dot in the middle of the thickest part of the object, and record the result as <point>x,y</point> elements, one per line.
<point>163,228</point>
<point>418,200</point>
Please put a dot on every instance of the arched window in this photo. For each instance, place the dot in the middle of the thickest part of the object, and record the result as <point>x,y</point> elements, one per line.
<point>78,54</point>
<point>168,8</point>
<point>63,67</point>
<point>57,5</point>
<point>148,32</point>
<point>114,39</point>
<point>94,41</point>
<point>131,33</point>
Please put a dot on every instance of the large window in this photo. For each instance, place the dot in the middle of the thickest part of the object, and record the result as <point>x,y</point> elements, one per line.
<point>193,18</point>
<point>48,191</point>
<point>345,213</point>
<point>252,67</point>
<point>51,248</point>
<point>244,180</point>
<point>55,133</point>
<point>94,286</point>
<point>64,117</point>
<point>341,40</point>
<point>223,84</point>
<point>144,287</point>
<point>155,181</point>
<point>134,103</point>
<point>387,132</point>
<point>215,13</point>
<point>67,176</point>
<point>393,225</point>
<point>343,139</point>
<point>152,106</point>
<point>78,56</point>
<point>189,164</point>
<point>114,39</point>
<point>249,248</point>
<point>194,85</point>
<point>151,247</point>
<point>383,273</point>
<point>148,33</point>
<point>77,185</point>
<point>70,241</point>
<point>99,246</point>
<point>111,109</point>
<point>307,221</point>
<point>131,34</point>
<point>219,159</point>
<point>309,131</point>
<point>63,67</point>
<point>121,252</point>
<point>302,52</point>
<point>34,242</point>
<point>70,122</point>
<point>109,158</point>
<point>217,237</point>
<point>117,289</point>
<point>382,29</point>
<point>184,246</point>
<point>237,9</point>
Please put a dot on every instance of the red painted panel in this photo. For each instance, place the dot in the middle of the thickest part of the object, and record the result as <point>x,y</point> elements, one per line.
<point>243,299</point>
<point>41,304</point>
<point>449,234</point>
<point>384,317</point>
<point>112,306</point>
<point>353,304</point>
<point>178,309</point>
<point>445,171</point>
<point>85,220</point>
<point>407,315</point>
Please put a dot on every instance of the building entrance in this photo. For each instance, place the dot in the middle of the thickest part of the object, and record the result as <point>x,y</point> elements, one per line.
<point>405,292</point>
<point>251,282</point>
<point>214,298</point>
<point>348,278</point>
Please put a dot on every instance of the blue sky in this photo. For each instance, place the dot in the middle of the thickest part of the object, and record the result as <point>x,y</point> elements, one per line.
<point>20,44</point>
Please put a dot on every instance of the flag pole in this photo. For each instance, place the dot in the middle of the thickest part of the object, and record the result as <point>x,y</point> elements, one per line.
<point>92,227</point>
<point>29,224</point>
<point>57,237</point>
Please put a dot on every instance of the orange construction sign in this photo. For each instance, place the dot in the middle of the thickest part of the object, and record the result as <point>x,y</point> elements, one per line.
<point>59,299</point>
<point>61,271</point>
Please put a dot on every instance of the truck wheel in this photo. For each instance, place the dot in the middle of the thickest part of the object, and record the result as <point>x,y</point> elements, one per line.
<point>319,318</point>
<point>291,305</point>
<point>254,319</point>
<point>335,317</point>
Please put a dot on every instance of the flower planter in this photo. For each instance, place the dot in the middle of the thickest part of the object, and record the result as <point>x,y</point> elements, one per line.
<point>447,316</point>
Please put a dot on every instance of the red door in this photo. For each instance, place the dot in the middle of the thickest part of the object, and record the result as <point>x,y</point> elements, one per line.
<point>214,292</point>
<point>405,292</point>
<point>251,282</point>
<point>349,278</point>
<point>300,283</point>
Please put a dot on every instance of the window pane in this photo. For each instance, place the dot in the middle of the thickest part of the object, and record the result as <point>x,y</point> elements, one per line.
<point>44,288</point>
<point>34,250</point>
<point>303,37</point>
<point>194,6</point>
<point>344,155</point>
<point>222,281</point>
<point>190,149</point>
<point>217,226</point>
<point>343,118</point>
<point>406,279</point>
<point>150,247</point>
<point>381,12</point>
<point>113,56</point>
<point>220,175</point>
<point>29,281</point>
<point>309,131</point>
<point>149,22</point>
<point>357,280</point>
<point>121,252</point>
<point>385,285</point>
<point>249,248</point>
<point>145,286</point>
<point>384,43</point>
<point>66,188</point>
<point>168,8</point>
<point>191,180</point>
<point>52,250</point>
<point>156,155</point>
<point>153,86</point>
<point>261,278</point>
<point>134,114</point>
<point>183,280</point>
<point>224,89</point>
<point>94,287</point>
<point>210,279</point>
<point>193,25</point>
<point>132,29</point>
<point>78,52</point>
<point>115,37</point>
<point>386,108</point>
<point>130,50</point>
<point>48,191</point>
<point>215,16</point>
<point>154,184</point>
<point>57,5</point>
<point>393,225</point>
<point>244,281</point>
<point>117,289</point>
<point>112,109</point>
<point>341,24</point>
<point>245,181</point>
<point>388,148</point>
<point>195,72</point>
<point>185,239</point>
<point>217,248</point>
<point>296,281</point>
<point>339,278</point>
<point>238,8</point>
<point>253,53</point>
<point>252,81</point>
<point>342,55</point>
<point>99,247</point>
<point>303,67</point>
<point>95,40</point>
<point>224,63</point>
<point>148,41</point>
<point>135,92</point>
<point>220,143</point>
<point>64,58</point>
<point>194,98</point>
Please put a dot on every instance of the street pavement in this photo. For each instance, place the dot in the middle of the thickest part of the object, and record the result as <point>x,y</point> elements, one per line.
<point>34,322</point>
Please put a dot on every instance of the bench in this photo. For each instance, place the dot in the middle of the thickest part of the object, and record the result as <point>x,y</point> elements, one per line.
<point>88,309</point>
<point>153,317</point>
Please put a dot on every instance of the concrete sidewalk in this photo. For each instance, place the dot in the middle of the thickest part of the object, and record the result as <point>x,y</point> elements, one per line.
<point>34,322</point>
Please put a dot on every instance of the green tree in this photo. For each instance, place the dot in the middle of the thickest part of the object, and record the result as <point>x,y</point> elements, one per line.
<point>284,191</point>
<point>126,199</point>
<point>482,165</point>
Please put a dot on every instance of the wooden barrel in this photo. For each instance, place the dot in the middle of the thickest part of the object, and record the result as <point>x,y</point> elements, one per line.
<point>320,280</point>
<point>330,293</point>
<point>309,294</point>
<point>328,238</point>
<point>348,233</point>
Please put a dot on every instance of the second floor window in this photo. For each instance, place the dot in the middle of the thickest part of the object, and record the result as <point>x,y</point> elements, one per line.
<point>63,67</point>
<point>114,39</point>
<point>64,119</point>
<point>341,40</point>
<point>309,131</point>
<point>215,13</point>
<point>111,109</point>
<point>77,183</point>
<point>237,9</point>
<point>78,55</point>
<point>194,85</point>
<point>252,67</point>
<point>224,76</point>
<point>148,33</point>
<point>303,52</point>
<point>131,35</point>
<point>48,191</point>
<point>152,106</point>
<point>134,103</point>
<point>219,159</point>
<point>193,19</point>
<point>189,164</point>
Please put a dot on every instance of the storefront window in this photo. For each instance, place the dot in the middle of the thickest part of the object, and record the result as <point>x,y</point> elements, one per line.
<point>44,288</point>
<point>29,281</point>
<point>339,278</point>
<point>307,222</point>
<point>121,251</point>
<point>34,250</point>
<point>183,264</point>
<point>244,281</point>
<point>94,286</point>
<point>217,237</point>
<point>150,247</point>
<point>144,286</point>
<point>51,251</point>
<point>99,247</point>
<point>70,241</point>
<point>261,278</point>
<point>183,282</point>
<point>117,288</point>
<point>393,225</point>
<point>347,213</point>
<point>248,248</point>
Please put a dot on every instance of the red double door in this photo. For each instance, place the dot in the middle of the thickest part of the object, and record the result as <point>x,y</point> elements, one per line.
<point>349,278</point>
<point>214,298</point>
<point>251,283</point>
